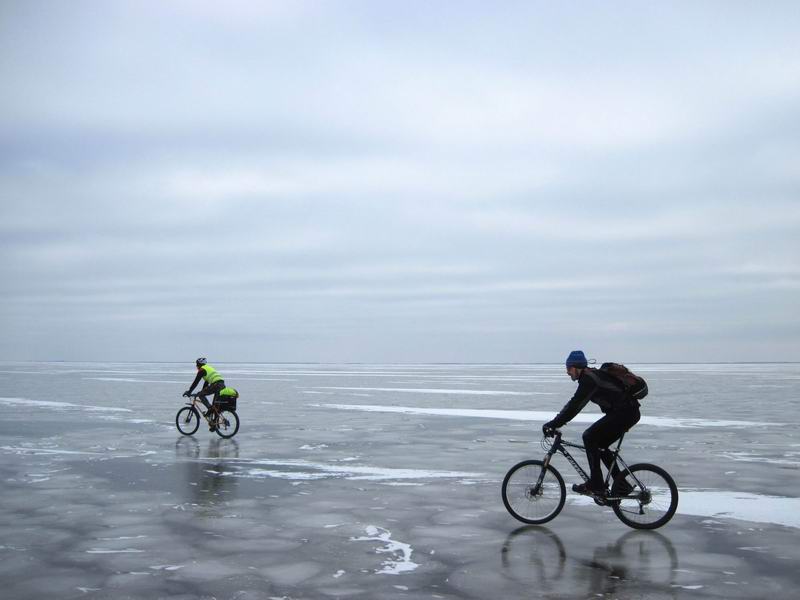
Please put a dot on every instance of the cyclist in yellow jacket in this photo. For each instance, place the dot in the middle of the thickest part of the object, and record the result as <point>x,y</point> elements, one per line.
<point>213,383</point>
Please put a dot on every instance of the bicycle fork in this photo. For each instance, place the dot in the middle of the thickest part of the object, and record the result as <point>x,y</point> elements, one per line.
<point>537,487</point>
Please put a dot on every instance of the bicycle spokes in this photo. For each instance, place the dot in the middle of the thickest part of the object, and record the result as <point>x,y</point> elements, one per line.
<point>651,502</point>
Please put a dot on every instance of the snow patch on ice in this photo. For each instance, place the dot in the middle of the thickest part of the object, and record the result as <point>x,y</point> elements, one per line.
<point>402,484</point>
<point>401,561</point>
<point>687,587</point>
<point>24,450</point>
<point>130,380</point>
<point>539,416</point>
<point>749,457</point>
<point>740,506</point>
<point>262,473</point>
<point>305,470</point>
<point>743,506</point>
<point>437,391</point>
<point>58,405</point>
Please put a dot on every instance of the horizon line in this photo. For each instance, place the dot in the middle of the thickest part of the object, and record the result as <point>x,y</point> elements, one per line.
<point>558,363</point>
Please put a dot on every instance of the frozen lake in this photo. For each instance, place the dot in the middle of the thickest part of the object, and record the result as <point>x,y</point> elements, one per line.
<point>383,481</point>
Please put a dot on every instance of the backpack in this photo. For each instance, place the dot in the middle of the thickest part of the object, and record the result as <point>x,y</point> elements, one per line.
<point>634,387</point>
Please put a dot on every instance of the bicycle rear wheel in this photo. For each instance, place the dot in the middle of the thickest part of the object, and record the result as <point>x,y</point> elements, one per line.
<point>652,501</point>
<point>187,420</point>
<point>227,424</point>
<point>524,501</point>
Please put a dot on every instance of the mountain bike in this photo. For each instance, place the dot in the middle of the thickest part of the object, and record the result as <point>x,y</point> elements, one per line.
<point>221,418</point>
<point>643,496</point>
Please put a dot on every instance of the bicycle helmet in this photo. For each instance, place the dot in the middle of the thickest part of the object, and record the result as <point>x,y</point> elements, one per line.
<point>200,361</point>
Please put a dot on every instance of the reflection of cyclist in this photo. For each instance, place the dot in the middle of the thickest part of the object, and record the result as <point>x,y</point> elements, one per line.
<point>620,414</point>
<point>214,384</point>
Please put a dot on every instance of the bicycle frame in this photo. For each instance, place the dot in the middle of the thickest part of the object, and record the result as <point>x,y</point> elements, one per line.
<point>194,404</point>
<point>559,446</point>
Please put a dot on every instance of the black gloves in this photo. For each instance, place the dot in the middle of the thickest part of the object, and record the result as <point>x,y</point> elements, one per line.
<point>187,393</point>
<point>549,428</point>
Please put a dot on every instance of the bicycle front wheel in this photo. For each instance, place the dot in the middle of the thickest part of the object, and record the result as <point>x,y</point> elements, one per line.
<point>652,501</point>
<point>528,502</point>
<point>227,424</point>
<point>187,420</point>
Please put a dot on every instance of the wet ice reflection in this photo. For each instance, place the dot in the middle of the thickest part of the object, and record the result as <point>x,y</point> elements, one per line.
<point>538,557</point>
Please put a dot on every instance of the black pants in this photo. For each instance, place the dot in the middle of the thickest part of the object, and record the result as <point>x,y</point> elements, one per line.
<point>213,388</point>
<point>601,435</point>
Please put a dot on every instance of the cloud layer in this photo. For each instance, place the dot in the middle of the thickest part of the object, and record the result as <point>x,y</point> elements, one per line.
<point>357,181</point>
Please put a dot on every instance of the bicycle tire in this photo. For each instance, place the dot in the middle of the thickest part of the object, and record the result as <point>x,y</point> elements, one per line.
<point>518,487</point>
<point>187,423</point>
<point>227,424</point>
<point>652,507</point>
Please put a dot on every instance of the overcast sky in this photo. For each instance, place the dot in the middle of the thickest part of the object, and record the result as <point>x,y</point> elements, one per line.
<point>399,181</point>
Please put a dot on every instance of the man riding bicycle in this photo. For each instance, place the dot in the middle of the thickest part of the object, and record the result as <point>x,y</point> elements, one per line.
<point>214,384</point>
<point>620,414</point>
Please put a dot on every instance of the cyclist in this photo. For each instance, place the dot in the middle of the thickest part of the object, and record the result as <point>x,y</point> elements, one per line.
<point>214,384</point>
<point>620,414</point>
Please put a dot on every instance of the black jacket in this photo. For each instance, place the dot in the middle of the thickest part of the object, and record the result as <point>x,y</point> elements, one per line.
<point>598,387</point>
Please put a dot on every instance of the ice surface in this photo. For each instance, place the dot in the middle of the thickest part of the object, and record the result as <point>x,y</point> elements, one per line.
<point>398,497</point>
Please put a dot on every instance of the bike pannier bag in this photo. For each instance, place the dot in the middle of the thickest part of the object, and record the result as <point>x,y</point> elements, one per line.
<point>227,399</point>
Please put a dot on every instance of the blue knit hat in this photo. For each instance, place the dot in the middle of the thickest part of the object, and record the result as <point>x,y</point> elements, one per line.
<point>577,358</point>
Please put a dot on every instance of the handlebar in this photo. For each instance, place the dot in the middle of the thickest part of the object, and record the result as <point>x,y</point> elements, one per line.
<point>555,435</point>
